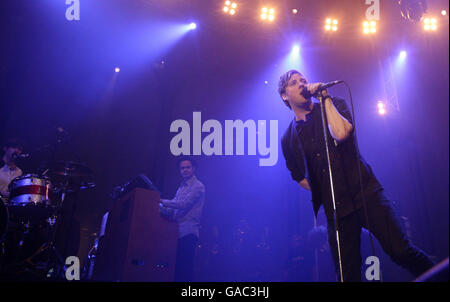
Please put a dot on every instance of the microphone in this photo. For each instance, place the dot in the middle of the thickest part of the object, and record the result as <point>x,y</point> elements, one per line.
<point>23,155</point>
<point>306,94</point>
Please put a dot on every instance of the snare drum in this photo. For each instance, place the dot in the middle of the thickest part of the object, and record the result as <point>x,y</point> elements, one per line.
<point>29,189</point>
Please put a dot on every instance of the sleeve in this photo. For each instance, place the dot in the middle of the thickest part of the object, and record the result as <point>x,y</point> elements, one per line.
<point>183,201</point>
<point>297,173</point>
<point>341,106</point>
<point>165,211</point>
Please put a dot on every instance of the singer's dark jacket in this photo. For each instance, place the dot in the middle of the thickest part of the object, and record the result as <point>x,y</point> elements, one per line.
<point>303,146</point>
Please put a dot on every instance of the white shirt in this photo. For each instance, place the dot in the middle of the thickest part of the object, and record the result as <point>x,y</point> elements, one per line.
<point>6,176</point>
<point>186,208</point>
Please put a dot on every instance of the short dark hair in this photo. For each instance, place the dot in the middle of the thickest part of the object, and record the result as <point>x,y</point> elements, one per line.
<point>188,158</point>
<point>15,143</point>
<point>282,83</point>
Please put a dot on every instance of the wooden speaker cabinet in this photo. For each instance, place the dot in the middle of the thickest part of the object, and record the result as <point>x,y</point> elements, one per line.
<point>139,245</point>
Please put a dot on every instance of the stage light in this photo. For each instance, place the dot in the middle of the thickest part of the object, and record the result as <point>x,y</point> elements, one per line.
<point>266,82</point>
<point>399,64</point>
<point>295,11</point>
<point>264,13</point>
<point>230,7</point>
<point>331,24</point>
<point>117,69</point>
<point>413,9</point>
<point>369,27</point>
<point>366,27</point>
<point>381,108</point>
<point>373,26</point>
<point>267,14</point>
<point>430,24</point>
<point>293,58</point>
<point>403,54</point>
<point>192,25</point>
<point>443,12</point>
<point>328,24</point>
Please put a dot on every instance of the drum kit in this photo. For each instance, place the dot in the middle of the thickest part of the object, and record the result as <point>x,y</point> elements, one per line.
<point>30,218</point>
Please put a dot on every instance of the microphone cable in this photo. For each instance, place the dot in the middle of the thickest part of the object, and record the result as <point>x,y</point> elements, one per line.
<point>358,158</point>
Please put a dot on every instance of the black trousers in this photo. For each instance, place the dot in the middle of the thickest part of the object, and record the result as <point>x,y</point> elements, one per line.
<point>184,267</point>
<point>385,226</point>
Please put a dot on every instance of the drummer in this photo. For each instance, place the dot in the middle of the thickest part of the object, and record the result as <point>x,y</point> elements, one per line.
<point>12,148</point>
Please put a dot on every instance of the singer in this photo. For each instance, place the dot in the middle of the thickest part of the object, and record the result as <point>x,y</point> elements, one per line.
<point>304,150</point>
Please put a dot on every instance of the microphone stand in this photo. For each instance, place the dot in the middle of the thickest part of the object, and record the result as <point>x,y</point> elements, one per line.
<point>322,109</point>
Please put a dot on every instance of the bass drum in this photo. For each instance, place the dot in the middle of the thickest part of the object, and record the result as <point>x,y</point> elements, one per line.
<point>4,219</point>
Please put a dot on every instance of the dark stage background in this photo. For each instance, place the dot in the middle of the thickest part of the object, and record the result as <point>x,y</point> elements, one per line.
<point>56,73</point>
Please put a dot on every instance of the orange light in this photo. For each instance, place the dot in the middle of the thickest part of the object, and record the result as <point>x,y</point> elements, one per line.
<point>331,24</point>
<point>430,24</point>
<point>267,14</point>
<point>369,27</point>
<point>230,7</point>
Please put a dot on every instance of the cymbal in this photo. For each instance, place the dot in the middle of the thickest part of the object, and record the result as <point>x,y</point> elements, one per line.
<point>70,169</point>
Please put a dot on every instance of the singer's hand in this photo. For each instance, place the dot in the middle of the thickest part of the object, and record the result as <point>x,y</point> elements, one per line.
<point>313,87</point>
